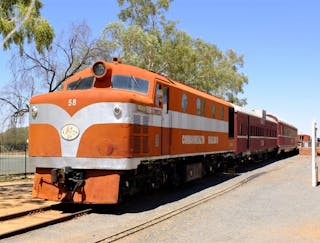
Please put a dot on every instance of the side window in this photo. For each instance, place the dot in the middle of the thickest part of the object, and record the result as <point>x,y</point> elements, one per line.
<point>200,106</point>
<point>184,103</point>
<point>222,113</point>
<point>214,110</point>
<point>159,96</point>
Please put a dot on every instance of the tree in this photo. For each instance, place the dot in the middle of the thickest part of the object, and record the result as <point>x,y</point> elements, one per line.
<point>132,45</point>
<point>15,98</point>
<point>20,20</point>
<point>218,73</point>
<point>67,56</point>
<point>149,41</point>
<point>35,72</point>
<point>14,139</point>
<point>147,14</point>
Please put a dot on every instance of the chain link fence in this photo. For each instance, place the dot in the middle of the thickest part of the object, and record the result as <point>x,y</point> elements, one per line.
<point>14,160</point>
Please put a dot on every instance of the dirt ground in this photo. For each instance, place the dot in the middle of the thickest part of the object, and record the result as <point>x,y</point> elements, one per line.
<point>15,196</point>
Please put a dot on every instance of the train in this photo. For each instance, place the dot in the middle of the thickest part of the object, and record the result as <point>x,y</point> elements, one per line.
<point>115,129</point>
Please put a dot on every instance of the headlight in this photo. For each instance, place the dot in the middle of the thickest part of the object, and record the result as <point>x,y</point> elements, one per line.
<point>117,111</point>
<point>99,69</point>
<point>34,112</point>
<point>70,132</point>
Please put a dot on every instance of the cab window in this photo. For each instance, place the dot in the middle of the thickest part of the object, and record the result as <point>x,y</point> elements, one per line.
<point>130,83</point>
<point>81,83</point>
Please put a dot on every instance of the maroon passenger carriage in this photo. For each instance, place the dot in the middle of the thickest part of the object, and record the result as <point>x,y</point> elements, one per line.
<point>287,136</point>
<point>255,134</point>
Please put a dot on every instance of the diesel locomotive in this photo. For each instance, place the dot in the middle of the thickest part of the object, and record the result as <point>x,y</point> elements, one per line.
<point>115,129</point>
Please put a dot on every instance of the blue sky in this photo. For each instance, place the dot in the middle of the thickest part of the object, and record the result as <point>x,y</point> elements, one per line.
<point>279,40</point>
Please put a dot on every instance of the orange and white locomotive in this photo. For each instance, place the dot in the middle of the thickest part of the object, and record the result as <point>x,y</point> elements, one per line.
<point>114,129</point>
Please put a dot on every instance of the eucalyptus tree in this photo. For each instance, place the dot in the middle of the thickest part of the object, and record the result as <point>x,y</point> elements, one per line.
<point>145,38</point>
<point>34,72</point>
<point>148,14</point>
<point>21,20</point>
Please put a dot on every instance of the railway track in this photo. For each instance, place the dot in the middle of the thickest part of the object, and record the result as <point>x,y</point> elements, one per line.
<point>22,222</point>
<point>188,206</point>
<point>18,223</point>
<point>168,215</point>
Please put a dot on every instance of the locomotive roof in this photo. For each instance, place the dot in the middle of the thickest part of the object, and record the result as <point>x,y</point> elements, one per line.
<point>125,69</point>
<point>151,76</point>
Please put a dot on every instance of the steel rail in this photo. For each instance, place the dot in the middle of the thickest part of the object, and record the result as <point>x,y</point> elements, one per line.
<point>166,216</point>
<point>41,224</point>
<point>24,213</point>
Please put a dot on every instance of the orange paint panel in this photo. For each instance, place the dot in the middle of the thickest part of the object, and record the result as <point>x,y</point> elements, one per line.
<point>120,141</point>
<point>105,140</point>
<point>100,187</point>
<point>154,139</point>
<point>145,141</point>
<point>44,140</point>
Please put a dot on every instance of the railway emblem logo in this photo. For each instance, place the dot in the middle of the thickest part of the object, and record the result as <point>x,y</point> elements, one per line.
<point>70,132</point>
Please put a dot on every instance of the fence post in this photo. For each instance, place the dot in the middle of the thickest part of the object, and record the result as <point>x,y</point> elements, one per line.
<point>313,155</point>
<point>25,160</point>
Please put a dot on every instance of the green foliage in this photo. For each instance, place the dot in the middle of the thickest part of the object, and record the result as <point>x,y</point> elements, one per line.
<point>144,13</point>
<point>21,20</point>
<point>14,138</point>
<point>134,45</point>
<point>151,42</point>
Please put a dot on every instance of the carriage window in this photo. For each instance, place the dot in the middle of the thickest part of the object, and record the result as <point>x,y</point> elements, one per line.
<point>130,83</point>
<point>184,103</point>
<point>82,83</point>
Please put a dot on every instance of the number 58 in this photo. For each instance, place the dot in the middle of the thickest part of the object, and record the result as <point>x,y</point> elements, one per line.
<point>72,102</point>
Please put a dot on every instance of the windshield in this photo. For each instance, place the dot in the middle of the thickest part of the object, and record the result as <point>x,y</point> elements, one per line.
<point>130,83</point>
<point>82,83</point>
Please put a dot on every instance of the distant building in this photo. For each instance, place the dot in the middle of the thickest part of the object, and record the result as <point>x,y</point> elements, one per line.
<point>303,140</point>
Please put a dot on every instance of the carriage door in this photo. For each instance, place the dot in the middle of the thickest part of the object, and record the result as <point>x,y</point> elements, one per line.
<point>162,101</point>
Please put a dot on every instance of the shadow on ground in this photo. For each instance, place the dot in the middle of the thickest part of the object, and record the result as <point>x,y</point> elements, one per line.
<point>144,202</point>
<point>16,195</point>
